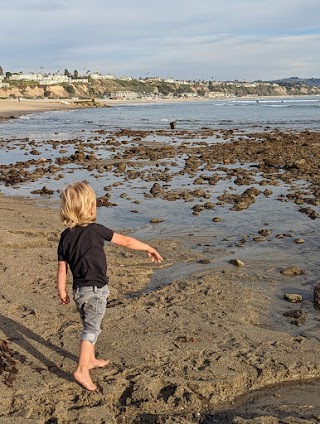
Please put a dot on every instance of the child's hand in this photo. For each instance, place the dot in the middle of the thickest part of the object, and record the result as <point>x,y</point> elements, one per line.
<point>154,256</point>
<point>64,298</point>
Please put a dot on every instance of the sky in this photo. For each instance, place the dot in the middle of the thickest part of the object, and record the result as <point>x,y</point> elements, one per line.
<point>245,40</point>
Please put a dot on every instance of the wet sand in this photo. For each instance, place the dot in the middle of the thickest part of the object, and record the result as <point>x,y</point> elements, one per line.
<point>185,352</point>
<point>179,354</point>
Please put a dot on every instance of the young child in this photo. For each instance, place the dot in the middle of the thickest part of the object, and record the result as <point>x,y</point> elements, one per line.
<point>81,248</point>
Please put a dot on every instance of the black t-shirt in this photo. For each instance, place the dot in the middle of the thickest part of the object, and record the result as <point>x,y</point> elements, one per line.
<point>82,249</point>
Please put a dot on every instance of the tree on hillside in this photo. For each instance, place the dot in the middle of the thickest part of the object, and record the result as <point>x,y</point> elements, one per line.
<point>67,73</point>
<point>69,88</point>
<point>1,70</point>
<point>75,74</point>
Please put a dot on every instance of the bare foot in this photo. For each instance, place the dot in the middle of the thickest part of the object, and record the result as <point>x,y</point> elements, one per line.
<point>85,380</point>
<point>98,363</point>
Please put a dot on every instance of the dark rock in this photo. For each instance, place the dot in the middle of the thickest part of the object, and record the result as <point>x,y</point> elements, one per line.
<point>204,261</point>
<point>8,363</point>
<point>35,152</point>
<point>310,212</point>
<point>198,208</point>
<point>104,201</point>
<point>316,297</point>
<point>298,315</point>
<point>267,192</point>
<point>44,191</point>
<point>264,232</point>
<point>155,189</point>
<point>292,271</point>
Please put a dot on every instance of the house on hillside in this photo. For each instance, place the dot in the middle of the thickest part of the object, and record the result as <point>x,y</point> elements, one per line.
<point>214,94</point>
<point>122,95</point>
<point>3,84</point>
<point>97,76</point>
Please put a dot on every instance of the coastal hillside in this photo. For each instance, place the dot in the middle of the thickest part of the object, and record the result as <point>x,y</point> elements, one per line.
<point>155,87</point>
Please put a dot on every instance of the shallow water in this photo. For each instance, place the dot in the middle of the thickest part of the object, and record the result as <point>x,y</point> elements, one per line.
<point>296,113</point>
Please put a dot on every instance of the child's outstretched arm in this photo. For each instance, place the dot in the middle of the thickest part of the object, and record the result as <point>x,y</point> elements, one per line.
<point>135,244</point>
<point>62,282</point>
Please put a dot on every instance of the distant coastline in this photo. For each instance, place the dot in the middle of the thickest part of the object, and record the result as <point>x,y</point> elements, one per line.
<point>74,87</point>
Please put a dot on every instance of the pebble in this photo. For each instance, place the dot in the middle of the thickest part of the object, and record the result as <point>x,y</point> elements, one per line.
<point>259,239</point>
<point>216,219</point>
<point>236,262</point>
<point>299,240</point>
<point>156,220</point>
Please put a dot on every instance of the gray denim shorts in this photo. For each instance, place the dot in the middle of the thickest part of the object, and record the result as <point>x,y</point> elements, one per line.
<point>91,303</point>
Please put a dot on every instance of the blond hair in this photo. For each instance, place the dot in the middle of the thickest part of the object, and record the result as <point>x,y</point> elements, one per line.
<point>78,203</point>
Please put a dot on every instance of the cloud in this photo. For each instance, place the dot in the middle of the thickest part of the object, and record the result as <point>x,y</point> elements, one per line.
<point>232,39</point>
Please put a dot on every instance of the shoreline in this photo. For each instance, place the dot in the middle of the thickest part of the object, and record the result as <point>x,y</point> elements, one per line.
<point>13,108</point>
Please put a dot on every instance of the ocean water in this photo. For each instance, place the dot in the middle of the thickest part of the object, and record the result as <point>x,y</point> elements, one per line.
<point>283,113</point>
<point>245,115</point>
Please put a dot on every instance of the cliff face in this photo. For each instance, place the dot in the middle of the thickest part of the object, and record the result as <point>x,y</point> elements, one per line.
<point>100,88</point>
<point>55,91</point>
<point>95,88</point>
<point>280,91</point>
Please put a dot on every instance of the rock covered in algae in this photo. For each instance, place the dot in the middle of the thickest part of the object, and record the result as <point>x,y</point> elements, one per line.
<point>156,220</point>
<point>292,297</point>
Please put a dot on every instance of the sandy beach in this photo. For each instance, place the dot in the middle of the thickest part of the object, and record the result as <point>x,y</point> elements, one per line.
<point>203,349</point>
<point>13,108</point>
<point>179,353</point>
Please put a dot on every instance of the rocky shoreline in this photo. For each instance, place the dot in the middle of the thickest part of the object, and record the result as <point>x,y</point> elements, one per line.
<point>182,352</point>
<point>272,156</point>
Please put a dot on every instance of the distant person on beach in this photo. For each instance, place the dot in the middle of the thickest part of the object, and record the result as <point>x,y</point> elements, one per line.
<point>81,248</point>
